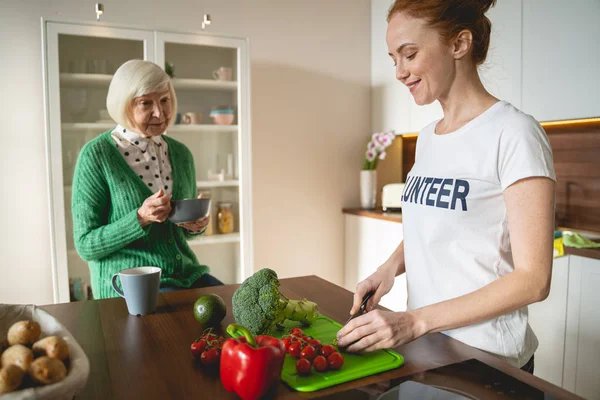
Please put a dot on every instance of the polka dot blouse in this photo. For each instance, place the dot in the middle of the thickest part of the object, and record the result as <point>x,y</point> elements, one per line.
<point>147,157</point>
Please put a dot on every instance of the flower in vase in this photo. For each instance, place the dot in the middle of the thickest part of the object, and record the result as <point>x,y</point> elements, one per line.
<point>376,149</point>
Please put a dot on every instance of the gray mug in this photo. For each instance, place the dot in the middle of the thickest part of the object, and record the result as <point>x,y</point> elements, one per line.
<point>140,288</point>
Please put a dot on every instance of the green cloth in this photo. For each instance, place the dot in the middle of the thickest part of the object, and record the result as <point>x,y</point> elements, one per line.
<point>106,196</point>
<point>576,240</point>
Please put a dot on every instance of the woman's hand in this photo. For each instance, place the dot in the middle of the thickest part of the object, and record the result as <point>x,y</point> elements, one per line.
<point>379,330</point>
<point>155,208</point>
<point>195,226</point>
<point>198,225</point>
<point>380,282</point>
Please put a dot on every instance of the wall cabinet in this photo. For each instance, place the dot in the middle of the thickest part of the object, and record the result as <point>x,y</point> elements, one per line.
<point>567,325</point>
<point>368,243</point>
<point>79,62</point>
<point>543,58</point>
<point>561,56</point>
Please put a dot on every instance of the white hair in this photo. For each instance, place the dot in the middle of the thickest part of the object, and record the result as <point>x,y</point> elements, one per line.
<point>133,79</point>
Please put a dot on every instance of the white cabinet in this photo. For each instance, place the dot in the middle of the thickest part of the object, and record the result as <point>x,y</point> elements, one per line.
<point>79,61</point>
<point>501,72</point>
<point>368,243</point>
<point>561,55</point>
<point>567,325</point>
<point>548,320</point>
<point>390,99</point>
<point>582,343</point>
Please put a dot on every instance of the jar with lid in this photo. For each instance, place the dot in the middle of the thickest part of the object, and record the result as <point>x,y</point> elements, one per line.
<point>225,219</point>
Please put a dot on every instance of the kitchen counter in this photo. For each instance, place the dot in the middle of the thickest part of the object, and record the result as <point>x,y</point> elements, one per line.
<point>149,357</point>
<point>397,217</point>
<point>377,214</point>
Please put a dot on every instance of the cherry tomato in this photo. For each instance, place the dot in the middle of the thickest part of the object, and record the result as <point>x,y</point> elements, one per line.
<point>308,352</point>
<point>327,350</point>
<point>286,343</point>
<point>316,343</point>
<point>197,347</point>
<point>303,367</point>
<point>210,356</point>
<point>335,360</point>
<point>295,349</point>
<point>320,363</point>
<point>297,331</point>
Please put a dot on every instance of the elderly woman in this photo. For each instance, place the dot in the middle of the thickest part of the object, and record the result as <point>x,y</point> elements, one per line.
<point>124,181</point>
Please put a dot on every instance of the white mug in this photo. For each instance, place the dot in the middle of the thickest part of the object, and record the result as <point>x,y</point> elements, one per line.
<point>222,74</point>
<point>193,118</point>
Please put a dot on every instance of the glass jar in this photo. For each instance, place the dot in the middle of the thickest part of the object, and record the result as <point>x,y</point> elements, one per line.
<point>225,220</point>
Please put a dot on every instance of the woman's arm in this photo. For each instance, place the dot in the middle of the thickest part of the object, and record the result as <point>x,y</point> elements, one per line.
<point>94,237</point>
<point>530,212</point>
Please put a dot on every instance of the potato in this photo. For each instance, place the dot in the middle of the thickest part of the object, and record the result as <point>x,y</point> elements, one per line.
<point>18,355</point>
<point>46,370</point>
<point>24,332</point>
<point>11,378</point>
<point>53,347</point>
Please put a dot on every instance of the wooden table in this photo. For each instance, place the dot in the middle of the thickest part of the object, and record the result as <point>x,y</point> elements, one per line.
<point>149,357</point>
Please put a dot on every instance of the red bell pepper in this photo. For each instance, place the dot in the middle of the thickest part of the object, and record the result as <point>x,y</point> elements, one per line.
<point>250,365</point>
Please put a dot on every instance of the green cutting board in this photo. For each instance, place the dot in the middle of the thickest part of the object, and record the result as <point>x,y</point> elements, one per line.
<point>355,365</point>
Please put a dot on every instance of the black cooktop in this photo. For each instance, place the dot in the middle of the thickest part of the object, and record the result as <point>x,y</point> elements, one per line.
<point>469,379</point>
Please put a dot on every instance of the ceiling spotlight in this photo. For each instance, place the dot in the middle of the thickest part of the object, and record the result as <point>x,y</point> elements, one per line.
<point>99,10</point>
<point>206,21</point>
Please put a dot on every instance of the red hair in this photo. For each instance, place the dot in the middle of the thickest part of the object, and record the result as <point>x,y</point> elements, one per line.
<point>450,17</point>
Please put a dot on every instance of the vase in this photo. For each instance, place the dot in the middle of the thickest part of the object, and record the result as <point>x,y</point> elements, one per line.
<point>368,189</point>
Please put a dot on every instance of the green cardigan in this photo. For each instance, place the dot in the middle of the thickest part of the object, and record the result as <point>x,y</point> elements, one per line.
<point>107,194</point>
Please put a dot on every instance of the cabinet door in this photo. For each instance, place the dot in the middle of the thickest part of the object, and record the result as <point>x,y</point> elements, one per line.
<point>79,61</point>
<point>390,99</point>
<point>501,72</point>
<point>211,80</point>
<point>560,59</point>
<point>582,345</point>
<point>548,320</point>
<point>368,243</point>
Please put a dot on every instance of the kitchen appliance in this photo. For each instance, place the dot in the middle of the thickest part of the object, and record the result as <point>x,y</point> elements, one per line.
<point>391,196</point>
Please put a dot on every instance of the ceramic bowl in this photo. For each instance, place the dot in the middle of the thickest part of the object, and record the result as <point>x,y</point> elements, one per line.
<point>222,119</point>
<point>189,210</point>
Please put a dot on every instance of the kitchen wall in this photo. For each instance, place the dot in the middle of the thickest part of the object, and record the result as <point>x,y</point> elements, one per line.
<point>310,86</point>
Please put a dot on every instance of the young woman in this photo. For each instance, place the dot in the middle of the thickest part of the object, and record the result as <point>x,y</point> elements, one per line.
<point>478,207</point>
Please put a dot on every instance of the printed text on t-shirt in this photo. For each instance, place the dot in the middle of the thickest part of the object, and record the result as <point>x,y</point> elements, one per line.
<point>436,192</point>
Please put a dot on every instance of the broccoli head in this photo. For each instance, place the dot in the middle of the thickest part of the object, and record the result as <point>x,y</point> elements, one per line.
<point>259,306</point>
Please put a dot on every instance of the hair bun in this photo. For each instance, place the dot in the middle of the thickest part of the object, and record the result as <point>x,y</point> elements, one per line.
<point>485,5</point>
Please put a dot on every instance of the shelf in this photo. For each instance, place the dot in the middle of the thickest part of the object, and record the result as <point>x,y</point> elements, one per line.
<point>215,239</point>
<point>101,127</point>
<point>199,184</point>
<point>180,83</point>
<point>103,80</point>
<point>213,184</point>
<point>82,126</point>
<point>93,80</point>
<point>202,128</point>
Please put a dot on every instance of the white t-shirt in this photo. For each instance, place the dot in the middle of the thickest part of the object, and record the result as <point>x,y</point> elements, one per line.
<point>456,237</point>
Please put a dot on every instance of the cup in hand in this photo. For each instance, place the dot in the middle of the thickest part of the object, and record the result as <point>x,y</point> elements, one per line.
<point>222,74</point>
<point>140,288</point>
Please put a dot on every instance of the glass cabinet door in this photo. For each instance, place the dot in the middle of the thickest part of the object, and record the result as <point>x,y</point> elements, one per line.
<point>79,61</point>
<point>210,77</point>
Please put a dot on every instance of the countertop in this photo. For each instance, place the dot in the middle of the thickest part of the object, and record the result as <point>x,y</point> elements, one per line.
<point>148,357</point>
<point>397,217</point>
